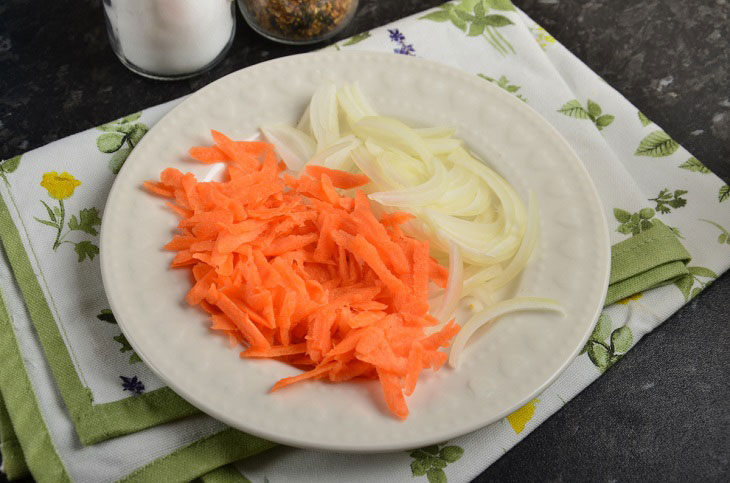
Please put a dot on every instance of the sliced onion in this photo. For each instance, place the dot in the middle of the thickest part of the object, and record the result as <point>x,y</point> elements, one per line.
<point>516,304</point>
<point>407,170</point>
<point>391,133</point>
<point>293,146</point>
<point>336,156</point>
<point>529,241</point>
<point>420,195</point>
<point>353,103</point>
<point>443,146</point>
<point>482,276</point>
<point>304,125</point>
<point>453,285</point>
<point>323,116</point>
<point>367,163</point>
<point>476,236</point>
<point>435,132</point>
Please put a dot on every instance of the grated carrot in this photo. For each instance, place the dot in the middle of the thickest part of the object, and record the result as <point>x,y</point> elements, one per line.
<point>297,270</point>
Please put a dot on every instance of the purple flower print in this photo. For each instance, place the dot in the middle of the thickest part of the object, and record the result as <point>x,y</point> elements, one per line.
<point>132,384</point>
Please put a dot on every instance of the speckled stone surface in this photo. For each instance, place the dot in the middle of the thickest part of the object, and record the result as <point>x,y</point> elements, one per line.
<point>663,412</point>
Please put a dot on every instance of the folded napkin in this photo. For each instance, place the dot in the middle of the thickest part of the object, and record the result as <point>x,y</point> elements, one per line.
<point>81,405</point>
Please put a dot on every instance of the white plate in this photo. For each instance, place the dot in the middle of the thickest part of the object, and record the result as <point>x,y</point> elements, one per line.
<point>505,368</point>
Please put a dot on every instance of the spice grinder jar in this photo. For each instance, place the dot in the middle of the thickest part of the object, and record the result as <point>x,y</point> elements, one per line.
<point>170,39</point>
<point>298,21</point>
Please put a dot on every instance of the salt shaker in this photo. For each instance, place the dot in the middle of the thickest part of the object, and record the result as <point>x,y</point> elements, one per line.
<point>170,39</point>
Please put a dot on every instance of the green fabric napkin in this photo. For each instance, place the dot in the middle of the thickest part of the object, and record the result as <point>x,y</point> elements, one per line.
<point>652,258</point>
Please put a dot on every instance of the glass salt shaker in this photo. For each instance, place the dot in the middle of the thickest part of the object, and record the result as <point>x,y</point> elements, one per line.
<point>298,21</point>
<point>170,39</point>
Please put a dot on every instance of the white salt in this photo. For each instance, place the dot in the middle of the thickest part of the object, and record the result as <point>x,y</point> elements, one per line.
<point>170,37</point>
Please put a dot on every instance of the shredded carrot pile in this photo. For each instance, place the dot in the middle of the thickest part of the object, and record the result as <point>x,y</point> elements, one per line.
<point>299,272</point>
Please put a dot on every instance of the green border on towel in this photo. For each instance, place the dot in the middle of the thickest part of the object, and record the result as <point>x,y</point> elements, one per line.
<point>14,465</point>
<point>225,474</point>
<point>20,400</point>
<point>93,422</point>
<point>184,464</point>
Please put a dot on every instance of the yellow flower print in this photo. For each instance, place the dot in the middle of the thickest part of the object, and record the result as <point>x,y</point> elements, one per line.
<point>628,299</point>
<point>542,36</point>
<point>60,186</point>
<point>518,419</point>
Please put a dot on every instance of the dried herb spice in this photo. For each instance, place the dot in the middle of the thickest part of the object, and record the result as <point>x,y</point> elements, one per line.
<point>298,20</point>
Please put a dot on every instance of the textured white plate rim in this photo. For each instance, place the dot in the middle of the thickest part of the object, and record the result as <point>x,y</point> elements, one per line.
<point>383,446</point>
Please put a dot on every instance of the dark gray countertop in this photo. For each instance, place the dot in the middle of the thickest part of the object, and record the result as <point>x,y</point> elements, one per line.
<point>663,412</point>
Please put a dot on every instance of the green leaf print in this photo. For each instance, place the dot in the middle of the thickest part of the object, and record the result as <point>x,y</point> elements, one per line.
<point>592,111</point>
<point>436,475</point>
<point>86,249</point>
<point>602,352</point>
<point>131,117</point>
<point>633,223</point>
<point>600,332</point>
<point>418,468</point>
<point>496,21</point>
<point>87,222</point>
<point>599,355</point>
<point>724,193</point>
<point>51,213</point>
<point>500,4</point>
<point>621,340</point>
<point>694,164</point>
<point>437,16</point>
<point>126,347</point>
<point>357,38</point>
<point>119,138</point>
<point>118,159</point>
<point>503,82</point>
<point>622,216</point>
<point>724,236</point>
<point>431,460</point>
<point>473,18</point>
<point>666,200</point>
<point>657,144</point>
<point>110,142</point>
<point>574,109</point>
<point>451,453</point>
<point>10,165</point>
<point>686,283</point>
<point>604,121</point>
<point>645,121</point>
<point>106,315</point>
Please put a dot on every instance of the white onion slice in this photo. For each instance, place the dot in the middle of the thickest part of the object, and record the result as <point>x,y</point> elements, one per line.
<point>420,195</point>
<point>323,116</point>
<point>369,166</point>
<point>484,275</point>
<point>391,133</point>
<point>336,156</point>
<point>529,241</point>
<point>453,285</point>
<point>497,310</point>
<point>353,103</point>
<point>435,132</point>
<point>293,146</point>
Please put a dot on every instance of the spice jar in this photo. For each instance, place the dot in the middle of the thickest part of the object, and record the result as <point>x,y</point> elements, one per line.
<point>297,21</point>
<point>170,39</point>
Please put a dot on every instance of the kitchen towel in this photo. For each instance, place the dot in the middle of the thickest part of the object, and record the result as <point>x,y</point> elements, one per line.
<point>81,404</point>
